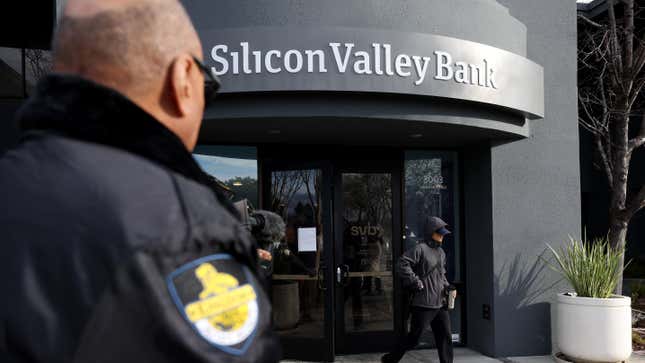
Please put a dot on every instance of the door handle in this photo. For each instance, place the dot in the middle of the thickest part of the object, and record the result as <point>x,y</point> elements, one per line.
<point>342,275</point>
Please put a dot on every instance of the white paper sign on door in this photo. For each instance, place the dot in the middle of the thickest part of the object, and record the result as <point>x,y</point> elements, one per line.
<point>307,239</point>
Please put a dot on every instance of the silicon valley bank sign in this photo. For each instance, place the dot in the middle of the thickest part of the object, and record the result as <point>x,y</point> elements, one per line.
<point>378,61</point>
<point>374,61</point>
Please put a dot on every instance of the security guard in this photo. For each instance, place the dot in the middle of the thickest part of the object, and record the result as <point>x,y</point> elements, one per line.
<point>423,270</point>
<point>115,246</point>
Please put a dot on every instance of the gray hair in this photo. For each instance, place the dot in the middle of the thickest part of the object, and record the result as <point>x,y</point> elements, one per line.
<point>128,45</point>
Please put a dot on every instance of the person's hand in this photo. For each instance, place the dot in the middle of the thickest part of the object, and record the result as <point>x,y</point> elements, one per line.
<point>264,255</point>
<point>420,285</point>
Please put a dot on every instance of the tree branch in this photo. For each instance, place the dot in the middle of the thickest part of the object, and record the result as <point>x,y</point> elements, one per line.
<point>617,60</point>
<point>605,161</point>
<point>589,21</point>
<point>636,91</point>
<point>639,58</point>
<point>628,32</point>
<point>592,123</point>
<point>637,203</point>
<point>639,140</point>
<point>605,106</point>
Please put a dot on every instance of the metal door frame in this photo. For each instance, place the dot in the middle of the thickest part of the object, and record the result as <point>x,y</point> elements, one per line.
<point>305,348</point>
<point>387,163</point>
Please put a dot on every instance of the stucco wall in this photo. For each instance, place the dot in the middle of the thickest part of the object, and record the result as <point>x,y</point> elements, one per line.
<point>536,185</point>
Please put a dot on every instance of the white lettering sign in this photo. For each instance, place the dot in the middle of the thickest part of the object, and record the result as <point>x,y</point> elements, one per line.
<point>378,60</point>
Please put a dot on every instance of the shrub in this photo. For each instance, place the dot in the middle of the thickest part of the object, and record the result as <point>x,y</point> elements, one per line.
<point>591,267</point>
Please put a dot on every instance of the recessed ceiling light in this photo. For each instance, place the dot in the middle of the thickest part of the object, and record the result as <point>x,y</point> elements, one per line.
<point>274,132</point>
<point>416,136</point>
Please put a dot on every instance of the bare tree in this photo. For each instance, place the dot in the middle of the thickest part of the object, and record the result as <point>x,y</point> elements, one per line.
<point>311,180</point>
<point>39,61</point>
<point>611,56</point>
<point>284,185</point>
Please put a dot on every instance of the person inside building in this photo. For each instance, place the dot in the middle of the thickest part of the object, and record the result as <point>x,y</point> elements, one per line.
<point>423,271</point>
<point>116,246</point>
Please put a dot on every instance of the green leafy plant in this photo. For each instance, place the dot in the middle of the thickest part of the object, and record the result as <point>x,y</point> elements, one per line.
<point>591,267</point>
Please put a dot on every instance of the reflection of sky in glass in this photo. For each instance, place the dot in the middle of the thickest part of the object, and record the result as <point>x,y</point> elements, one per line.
<point>227,168</point>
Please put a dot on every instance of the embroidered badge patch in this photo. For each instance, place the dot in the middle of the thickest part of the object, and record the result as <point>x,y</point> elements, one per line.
<point>216,296</point>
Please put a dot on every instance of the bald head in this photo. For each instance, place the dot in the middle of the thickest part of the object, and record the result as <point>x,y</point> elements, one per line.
<point>125,44</point>
<point>144,49</point>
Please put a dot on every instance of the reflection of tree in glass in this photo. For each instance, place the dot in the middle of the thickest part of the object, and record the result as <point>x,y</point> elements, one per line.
<point>380,210</point>
<point>284,185</point>
<point>355,197</point>
<point>423,187</point>
<point>311,181</point>
<point>367,205</point>
<point>40,62</point>
<point>424,174</point>
<point>368,198</point>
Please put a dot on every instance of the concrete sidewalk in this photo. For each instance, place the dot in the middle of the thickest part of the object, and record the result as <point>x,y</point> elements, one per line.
<point>462,355</point>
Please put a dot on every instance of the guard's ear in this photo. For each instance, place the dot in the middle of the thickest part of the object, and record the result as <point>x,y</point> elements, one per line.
<point>181,88</point>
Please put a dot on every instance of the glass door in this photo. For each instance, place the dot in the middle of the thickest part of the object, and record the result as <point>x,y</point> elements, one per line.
<point>367,242</point>
<point>301,284</point>
<point>431,189</point>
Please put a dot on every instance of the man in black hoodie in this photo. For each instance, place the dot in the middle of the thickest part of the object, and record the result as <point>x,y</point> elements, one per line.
<point>423,270</point>
<point>115,245</point>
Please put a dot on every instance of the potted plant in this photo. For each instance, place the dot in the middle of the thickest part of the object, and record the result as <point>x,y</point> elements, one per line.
<point>592,324</point>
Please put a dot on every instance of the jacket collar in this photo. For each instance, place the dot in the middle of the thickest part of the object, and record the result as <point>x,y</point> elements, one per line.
<point>433,244</point>
<point>78,108</point>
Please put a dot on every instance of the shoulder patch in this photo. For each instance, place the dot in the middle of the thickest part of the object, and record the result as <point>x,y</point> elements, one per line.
<point>216,296</point>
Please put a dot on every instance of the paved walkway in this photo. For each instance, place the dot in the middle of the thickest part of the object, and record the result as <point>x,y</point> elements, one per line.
<point>462,355</point>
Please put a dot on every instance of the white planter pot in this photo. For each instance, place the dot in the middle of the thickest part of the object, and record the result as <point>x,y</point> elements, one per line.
<point>595,330</point>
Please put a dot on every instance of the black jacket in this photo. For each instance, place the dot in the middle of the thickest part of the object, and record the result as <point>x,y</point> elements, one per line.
<point>114,245</point>
<point>425,262</point>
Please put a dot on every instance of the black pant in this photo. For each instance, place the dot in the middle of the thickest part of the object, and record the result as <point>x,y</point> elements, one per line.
<point>439,321</point>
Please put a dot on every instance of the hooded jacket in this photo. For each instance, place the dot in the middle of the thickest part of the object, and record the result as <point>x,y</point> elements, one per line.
<point>426,263</point>
<point>116,246</point>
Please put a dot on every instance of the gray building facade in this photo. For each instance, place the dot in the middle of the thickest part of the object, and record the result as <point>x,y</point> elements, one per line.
<point>516,183</point>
